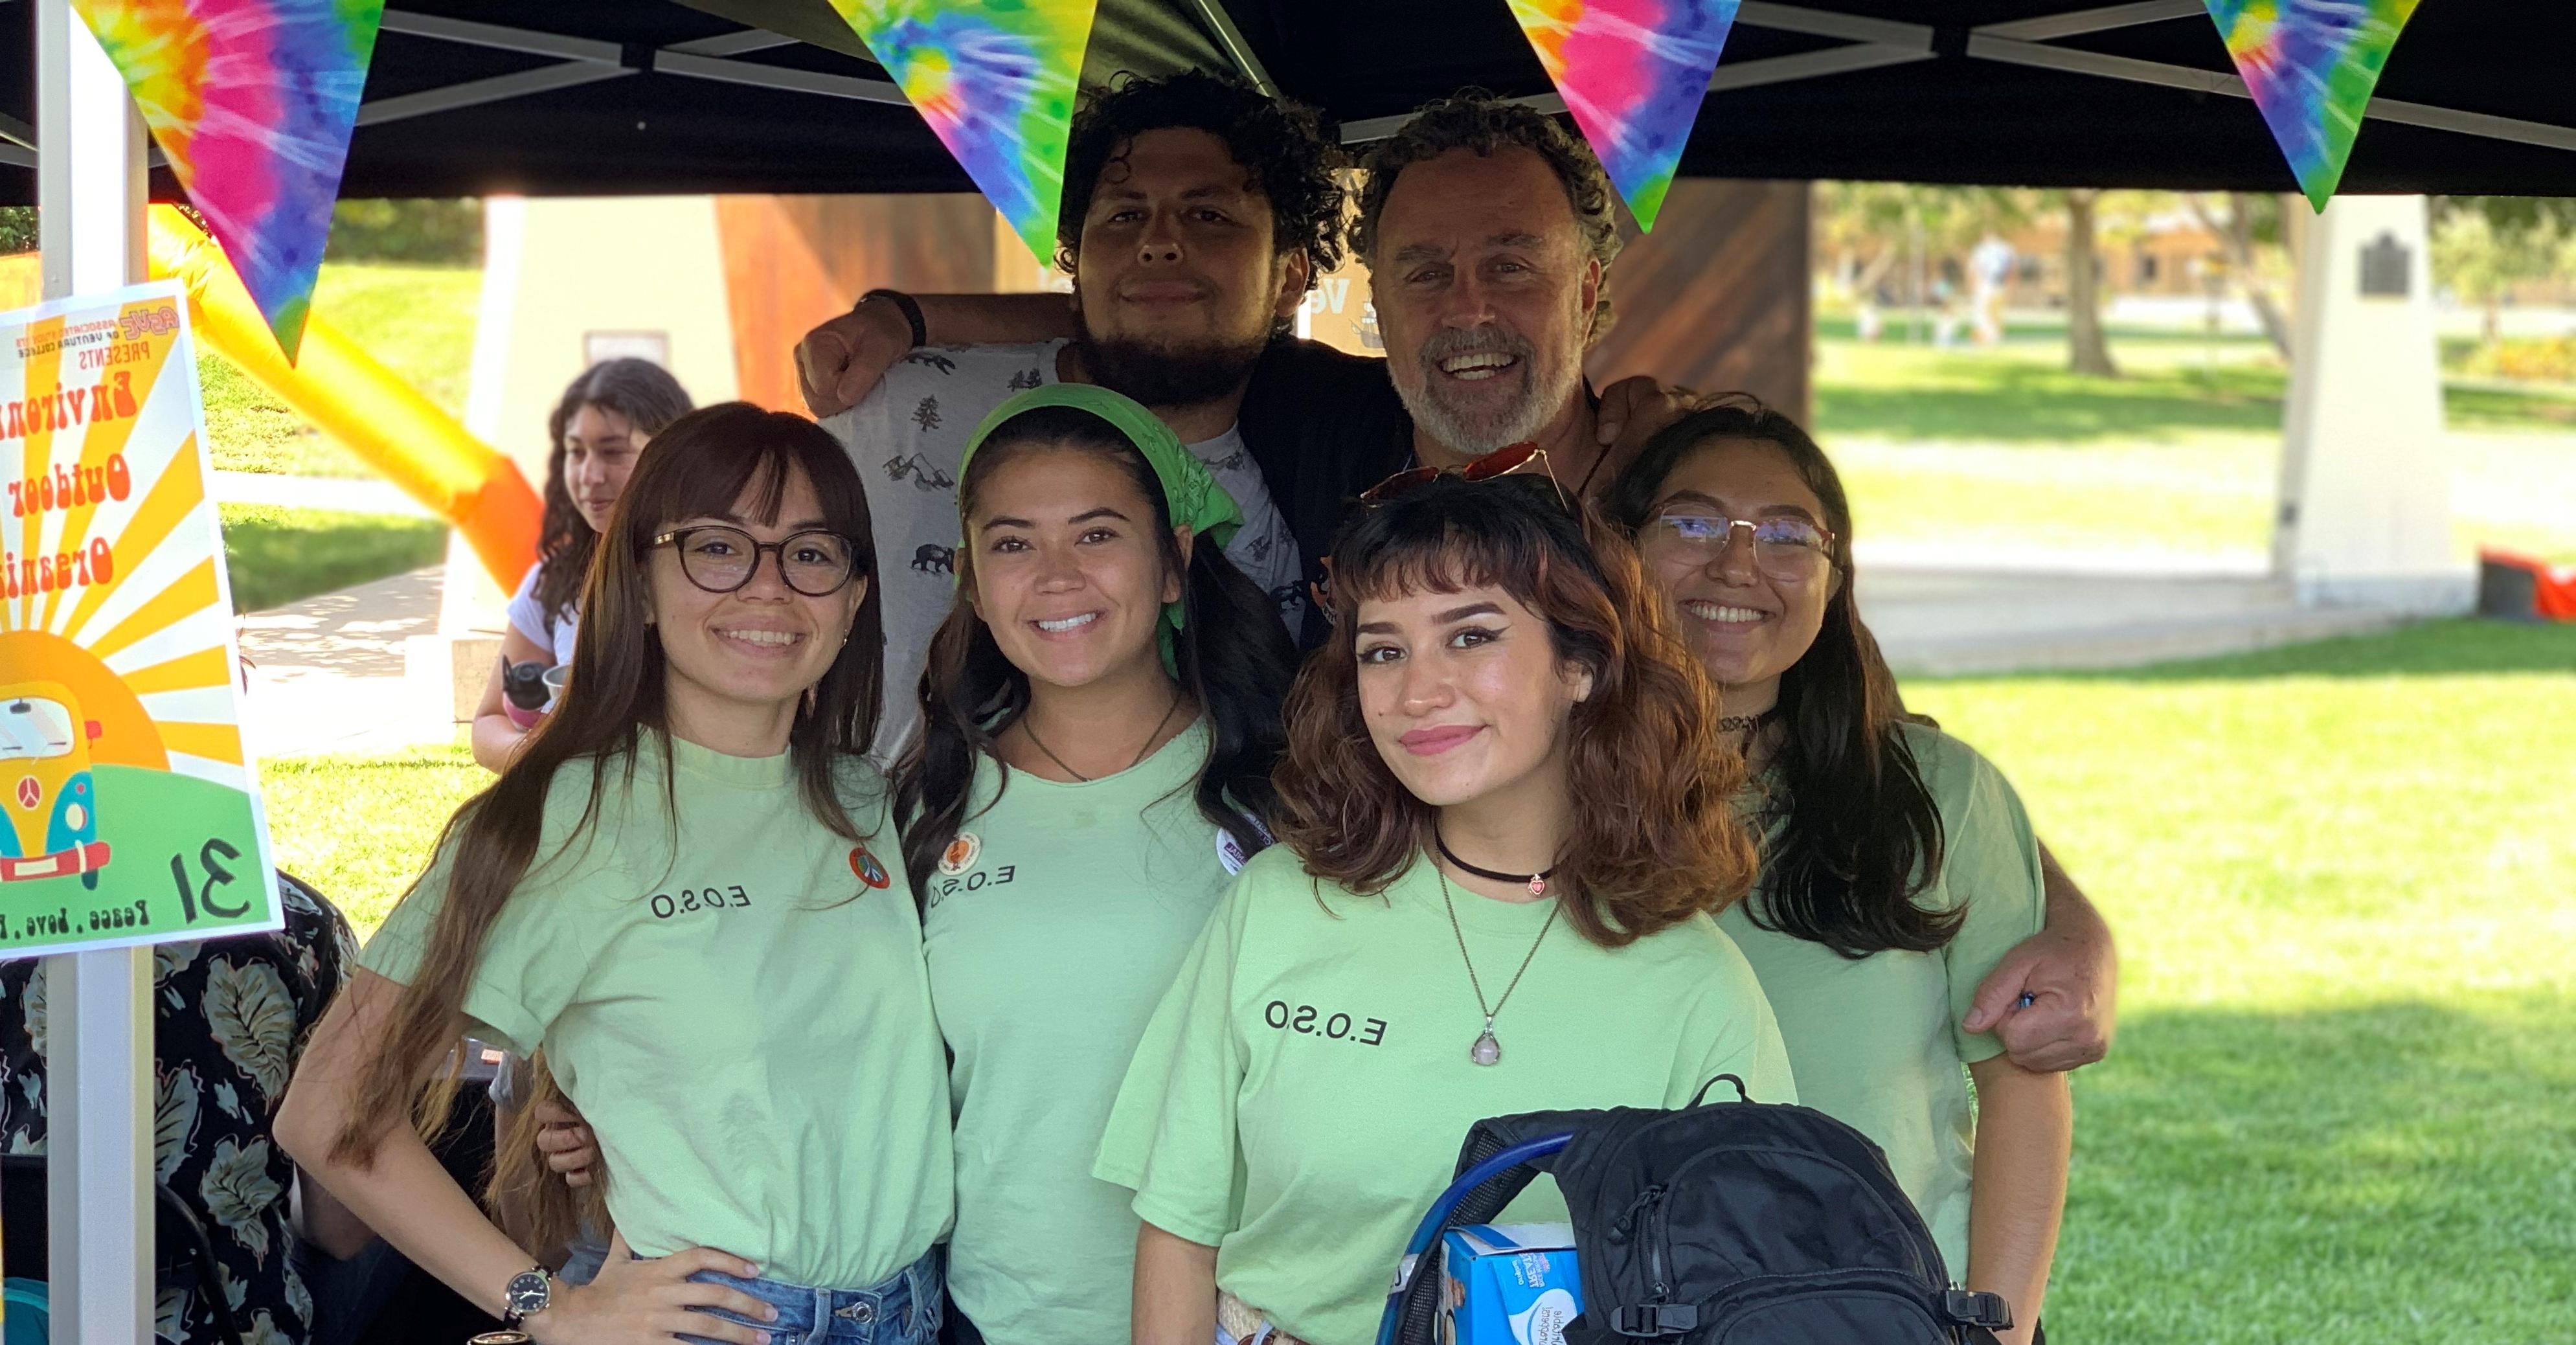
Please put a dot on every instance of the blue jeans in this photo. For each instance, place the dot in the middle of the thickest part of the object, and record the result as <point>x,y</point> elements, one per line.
<point>903,1310</point>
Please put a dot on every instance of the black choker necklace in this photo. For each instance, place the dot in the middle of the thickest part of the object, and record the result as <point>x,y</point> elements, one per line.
<point>1746,723</point>
<point>1537,881</point>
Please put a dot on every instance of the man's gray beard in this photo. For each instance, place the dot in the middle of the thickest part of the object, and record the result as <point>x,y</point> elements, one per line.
<point>1170,374</point>
<point>1546,393</point>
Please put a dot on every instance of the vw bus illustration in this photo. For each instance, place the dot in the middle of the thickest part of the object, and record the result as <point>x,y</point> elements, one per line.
<point>51,799</point>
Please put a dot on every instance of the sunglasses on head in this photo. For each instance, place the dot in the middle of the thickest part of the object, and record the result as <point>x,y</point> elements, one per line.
<point>1500,463</point>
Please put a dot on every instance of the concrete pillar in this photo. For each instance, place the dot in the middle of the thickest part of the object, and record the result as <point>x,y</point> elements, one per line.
<point>2365,512</point>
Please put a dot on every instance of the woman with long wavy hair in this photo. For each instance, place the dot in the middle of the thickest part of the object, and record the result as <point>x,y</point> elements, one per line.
<point>680,891</point>
<point>1100,717</point>
<point>1504,835</point>
<point>598,429</point>
<point>1898,866</point>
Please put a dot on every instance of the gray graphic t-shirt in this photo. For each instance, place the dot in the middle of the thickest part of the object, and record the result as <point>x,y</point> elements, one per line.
<point>907,439</point>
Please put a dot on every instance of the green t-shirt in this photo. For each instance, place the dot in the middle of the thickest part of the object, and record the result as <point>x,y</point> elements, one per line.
<point>739,1010</point>
<point>1877,1042</point>
<point>1302,1092</point>
<point>1068,914</point>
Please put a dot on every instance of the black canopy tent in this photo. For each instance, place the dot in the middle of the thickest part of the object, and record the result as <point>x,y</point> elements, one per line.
<point>470,97</point>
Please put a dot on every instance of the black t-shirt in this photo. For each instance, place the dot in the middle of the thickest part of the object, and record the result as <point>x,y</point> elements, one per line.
<point>1323,426</point>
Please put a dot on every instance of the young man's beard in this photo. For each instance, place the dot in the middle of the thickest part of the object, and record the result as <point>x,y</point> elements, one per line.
<point>1170,373</point>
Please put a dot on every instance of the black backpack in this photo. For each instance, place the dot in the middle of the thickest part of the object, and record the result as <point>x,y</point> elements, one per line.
<point>1729,1223</point>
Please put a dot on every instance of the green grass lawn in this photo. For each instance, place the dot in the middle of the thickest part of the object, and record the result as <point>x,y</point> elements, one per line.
<point>277,556</point>
<point>2004,447</point>
<point>417,320</point>
<point>2345,885</point>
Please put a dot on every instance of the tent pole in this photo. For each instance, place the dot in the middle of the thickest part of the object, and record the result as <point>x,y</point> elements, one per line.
<point>98,1051</point>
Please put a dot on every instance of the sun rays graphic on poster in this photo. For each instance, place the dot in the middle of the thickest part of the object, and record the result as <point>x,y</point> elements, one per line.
<point>996,80</point>
<point>2311,66</point>
<point>1633,73</point>
<point>132,812</point>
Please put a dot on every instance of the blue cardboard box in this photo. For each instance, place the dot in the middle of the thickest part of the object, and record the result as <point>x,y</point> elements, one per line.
<point>1508,1284</point>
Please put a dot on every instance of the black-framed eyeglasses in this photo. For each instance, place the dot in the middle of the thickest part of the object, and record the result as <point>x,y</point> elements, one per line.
<point>721,558</point>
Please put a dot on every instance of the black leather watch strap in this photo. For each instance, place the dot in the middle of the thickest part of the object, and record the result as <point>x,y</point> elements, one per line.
<point>910,308</point>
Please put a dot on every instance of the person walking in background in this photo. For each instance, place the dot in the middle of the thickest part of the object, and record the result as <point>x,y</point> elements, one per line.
<point>1898,866</point>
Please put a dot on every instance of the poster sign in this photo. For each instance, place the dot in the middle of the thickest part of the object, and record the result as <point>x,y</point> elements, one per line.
<point>128,811</point>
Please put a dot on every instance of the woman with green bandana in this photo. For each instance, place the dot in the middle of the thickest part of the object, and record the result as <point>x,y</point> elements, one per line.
<point>1100,716</point>
<point>685,890</point>
<point>1503,833</point>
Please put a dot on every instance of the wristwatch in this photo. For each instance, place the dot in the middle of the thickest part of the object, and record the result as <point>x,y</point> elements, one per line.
<point>526,1295</point>
<point>906,305</point>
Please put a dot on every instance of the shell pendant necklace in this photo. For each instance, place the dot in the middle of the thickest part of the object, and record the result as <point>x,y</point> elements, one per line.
<point>1487,1050</point>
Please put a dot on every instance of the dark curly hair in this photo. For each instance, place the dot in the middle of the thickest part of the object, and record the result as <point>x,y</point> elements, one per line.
<point>1479,121</point>
<point>1293,163</point>
<point>1654,841</point>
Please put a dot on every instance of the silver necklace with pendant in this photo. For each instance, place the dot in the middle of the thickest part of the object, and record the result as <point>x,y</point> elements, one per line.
<point>1488,1051</point>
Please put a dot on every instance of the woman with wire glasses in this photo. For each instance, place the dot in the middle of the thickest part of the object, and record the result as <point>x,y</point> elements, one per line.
<point>1100,718</point>
<point>1898,865</point>
<point>1504,832</point>
<point>684,889</point>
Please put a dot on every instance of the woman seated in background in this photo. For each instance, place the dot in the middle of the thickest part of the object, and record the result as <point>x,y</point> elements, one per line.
<point>679,891</point>
<point>1897,865</point>
<point>1505,735</point>
<point>1100,719</point>
<point>596,432</point>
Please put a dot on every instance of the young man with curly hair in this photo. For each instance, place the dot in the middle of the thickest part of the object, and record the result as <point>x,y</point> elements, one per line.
<point>1197,214</point>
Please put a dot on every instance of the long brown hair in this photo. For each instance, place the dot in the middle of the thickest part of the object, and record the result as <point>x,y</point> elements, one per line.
<point>1653,840</point>
<point>703,463</point>
<point>650,399</point>
<point>1860,834</point>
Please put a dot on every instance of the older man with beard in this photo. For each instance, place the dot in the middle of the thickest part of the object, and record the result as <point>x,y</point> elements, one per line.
<point>1488,234</point>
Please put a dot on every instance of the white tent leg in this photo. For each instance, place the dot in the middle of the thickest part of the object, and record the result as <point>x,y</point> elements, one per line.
<point>99,1048</point>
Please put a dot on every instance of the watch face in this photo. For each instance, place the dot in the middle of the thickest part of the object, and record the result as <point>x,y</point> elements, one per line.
<point>526,1293</point>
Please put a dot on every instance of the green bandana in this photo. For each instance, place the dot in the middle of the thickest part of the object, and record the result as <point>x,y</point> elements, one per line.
<point>1192,496</point>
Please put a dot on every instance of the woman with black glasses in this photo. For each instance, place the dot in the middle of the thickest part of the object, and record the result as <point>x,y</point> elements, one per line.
<point>686,889</point>
<point>1898,866</point>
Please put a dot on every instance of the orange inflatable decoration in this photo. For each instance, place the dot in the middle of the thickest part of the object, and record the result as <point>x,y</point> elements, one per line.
<point>345,393</point>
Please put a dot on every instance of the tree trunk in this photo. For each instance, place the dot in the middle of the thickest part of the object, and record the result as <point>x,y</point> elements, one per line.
<point>2238,238</point>
<point>2086,351</point>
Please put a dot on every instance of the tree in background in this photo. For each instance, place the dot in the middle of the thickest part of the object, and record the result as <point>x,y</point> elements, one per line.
<point>2086,350</point>
<point>17,228</point>
<point>2483,246</point>
<point>2250,220</point>
<point>440,232</point>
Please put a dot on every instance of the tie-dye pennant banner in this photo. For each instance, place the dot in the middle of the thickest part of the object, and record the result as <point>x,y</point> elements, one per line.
<point>2311,66</point>
<point>1633,73</point>
<point>996,79</point>
<point>252,100</point>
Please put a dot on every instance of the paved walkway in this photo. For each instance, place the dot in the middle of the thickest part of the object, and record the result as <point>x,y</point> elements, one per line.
<point>329,674</point>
